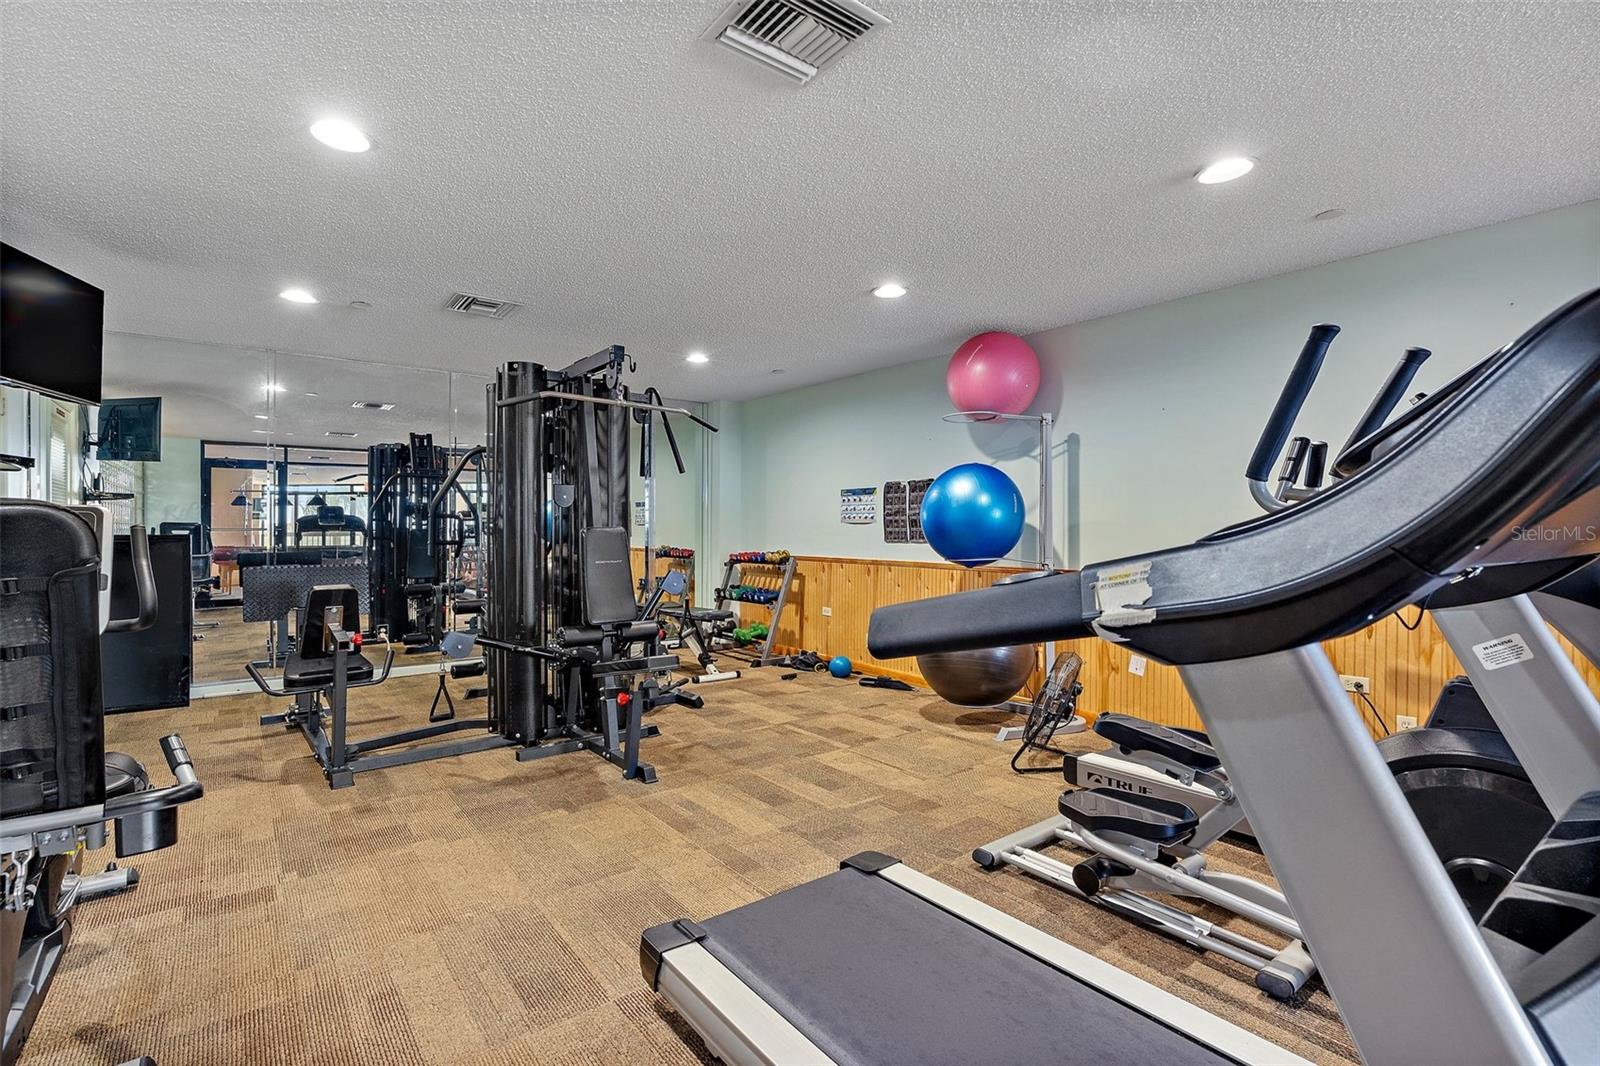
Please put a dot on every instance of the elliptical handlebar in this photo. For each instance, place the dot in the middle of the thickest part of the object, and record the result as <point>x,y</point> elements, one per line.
<point>1281,422</point>
<point>1389,397</point>
<point>144,580</point>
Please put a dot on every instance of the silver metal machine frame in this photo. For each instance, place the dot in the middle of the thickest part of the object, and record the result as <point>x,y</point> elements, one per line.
<point>1326,808</point>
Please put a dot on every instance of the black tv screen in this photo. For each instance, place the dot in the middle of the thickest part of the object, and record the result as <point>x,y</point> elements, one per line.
<point>130,430</point>
<point>50,328</point>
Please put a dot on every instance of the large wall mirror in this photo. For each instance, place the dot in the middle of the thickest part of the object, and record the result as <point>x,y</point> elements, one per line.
<point>264,467</point>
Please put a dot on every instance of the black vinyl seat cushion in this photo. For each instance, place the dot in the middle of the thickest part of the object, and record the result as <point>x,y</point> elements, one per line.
<point>124,775</point>
<point>301,673</point>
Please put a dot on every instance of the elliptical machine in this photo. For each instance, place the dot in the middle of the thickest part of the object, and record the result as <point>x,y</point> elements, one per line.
<point>1147,809</point>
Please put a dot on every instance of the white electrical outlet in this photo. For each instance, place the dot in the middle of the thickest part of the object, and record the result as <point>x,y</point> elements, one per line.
<point>1405,721</point>
<point>1136,665</point>
<point>827,612</point>
<point>1352,683</point>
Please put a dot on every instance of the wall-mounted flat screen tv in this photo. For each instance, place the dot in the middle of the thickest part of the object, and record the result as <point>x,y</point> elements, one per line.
<point>50,328</point>
<point>130,429</point>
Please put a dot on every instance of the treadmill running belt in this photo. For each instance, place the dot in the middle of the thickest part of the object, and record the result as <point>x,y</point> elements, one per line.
<point>865,969</point>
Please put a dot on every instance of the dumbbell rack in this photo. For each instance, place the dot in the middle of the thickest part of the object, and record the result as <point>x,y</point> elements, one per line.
<point>785,573</point>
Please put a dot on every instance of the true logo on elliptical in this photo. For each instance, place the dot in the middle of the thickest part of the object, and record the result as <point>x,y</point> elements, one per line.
<point>1581,534</point>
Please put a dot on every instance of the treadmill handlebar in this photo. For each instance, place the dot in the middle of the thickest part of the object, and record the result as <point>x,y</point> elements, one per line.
<point>1025,612</point>
<point>1290,401</point>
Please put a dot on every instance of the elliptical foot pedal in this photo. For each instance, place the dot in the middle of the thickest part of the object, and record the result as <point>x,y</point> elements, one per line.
<point>1139,734</point>
<point>1105,810</point>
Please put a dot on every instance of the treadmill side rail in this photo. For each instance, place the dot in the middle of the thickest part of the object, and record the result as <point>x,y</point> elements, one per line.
<point>1199,1024</point>
<point>737,1025</point>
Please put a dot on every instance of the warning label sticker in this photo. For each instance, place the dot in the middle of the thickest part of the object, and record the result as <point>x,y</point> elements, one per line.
<point>1503,651</point>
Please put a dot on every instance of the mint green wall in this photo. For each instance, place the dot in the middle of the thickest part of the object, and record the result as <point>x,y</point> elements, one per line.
<point>1163,404</point>
<point>172,486</point>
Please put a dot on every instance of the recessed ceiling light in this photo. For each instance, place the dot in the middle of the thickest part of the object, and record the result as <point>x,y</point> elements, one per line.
<point>264,418</point>
<point>311,394</point>
<point>297,296</point>
<point>260,431</point>
<point>697,358</point>
<point>889,290</point>
<point>1226,170</point>
<point>337,133</point>
<point>273,386</point>
<point>360,305</point>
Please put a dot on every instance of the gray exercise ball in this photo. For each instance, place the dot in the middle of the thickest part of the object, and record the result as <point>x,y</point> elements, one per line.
<point>982,678</point>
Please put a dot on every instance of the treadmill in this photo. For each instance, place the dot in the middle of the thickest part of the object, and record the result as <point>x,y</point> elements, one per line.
<point>879,964</point>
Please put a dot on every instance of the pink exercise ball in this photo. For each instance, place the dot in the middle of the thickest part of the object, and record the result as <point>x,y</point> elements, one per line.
<point>993,371</point>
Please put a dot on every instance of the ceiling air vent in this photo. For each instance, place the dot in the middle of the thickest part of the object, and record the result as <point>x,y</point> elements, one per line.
<point>340,433</point>
<point>372,405</point>
<point>481,306</point>
<point>796,38</point>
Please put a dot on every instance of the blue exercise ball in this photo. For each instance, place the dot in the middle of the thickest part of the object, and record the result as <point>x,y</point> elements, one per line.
<point>840,666</point>
<point>973,514</point>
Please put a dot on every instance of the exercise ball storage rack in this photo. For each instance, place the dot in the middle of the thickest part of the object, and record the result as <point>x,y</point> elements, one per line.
<point>732,574</point>
<point>1044,558</point>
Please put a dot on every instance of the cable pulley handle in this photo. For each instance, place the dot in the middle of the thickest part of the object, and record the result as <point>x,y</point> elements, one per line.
<point>1290,401</point>
<point>652,396</point>
<point>1389,397</point>
<point>672,442</point>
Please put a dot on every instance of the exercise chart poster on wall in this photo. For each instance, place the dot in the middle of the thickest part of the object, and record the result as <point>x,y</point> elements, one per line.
<point>858,507</point>
<point>902,511</point>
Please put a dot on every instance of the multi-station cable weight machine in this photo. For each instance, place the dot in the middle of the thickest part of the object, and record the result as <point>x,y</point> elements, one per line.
<point>573,661</point>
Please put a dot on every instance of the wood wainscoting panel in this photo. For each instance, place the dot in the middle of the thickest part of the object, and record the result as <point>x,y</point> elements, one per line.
<point>1403,656</point>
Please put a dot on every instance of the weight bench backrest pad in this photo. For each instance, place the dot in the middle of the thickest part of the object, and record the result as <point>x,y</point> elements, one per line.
<point>607,576</point>
<point>312,642</point>
<point>311,662</point>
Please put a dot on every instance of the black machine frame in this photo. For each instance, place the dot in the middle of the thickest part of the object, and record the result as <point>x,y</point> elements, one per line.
<point>405,562</point>
<point>572,662</point>
<point>560,677</point>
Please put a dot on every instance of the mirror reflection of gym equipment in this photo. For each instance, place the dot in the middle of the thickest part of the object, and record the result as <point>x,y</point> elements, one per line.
<point>572,662</point>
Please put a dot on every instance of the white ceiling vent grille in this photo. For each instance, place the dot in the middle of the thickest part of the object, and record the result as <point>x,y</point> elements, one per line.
<point>340,433</point>
<point>796,38</point>
<point>372,405</point>
<point>482,306</point>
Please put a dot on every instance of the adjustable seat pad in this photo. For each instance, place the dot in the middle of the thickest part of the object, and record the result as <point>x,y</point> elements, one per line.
<point>300,672</point>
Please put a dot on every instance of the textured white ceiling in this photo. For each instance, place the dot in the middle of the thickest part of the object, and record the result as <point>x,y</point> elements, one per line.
<point>217,392</point>
<point>1018,165</point>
